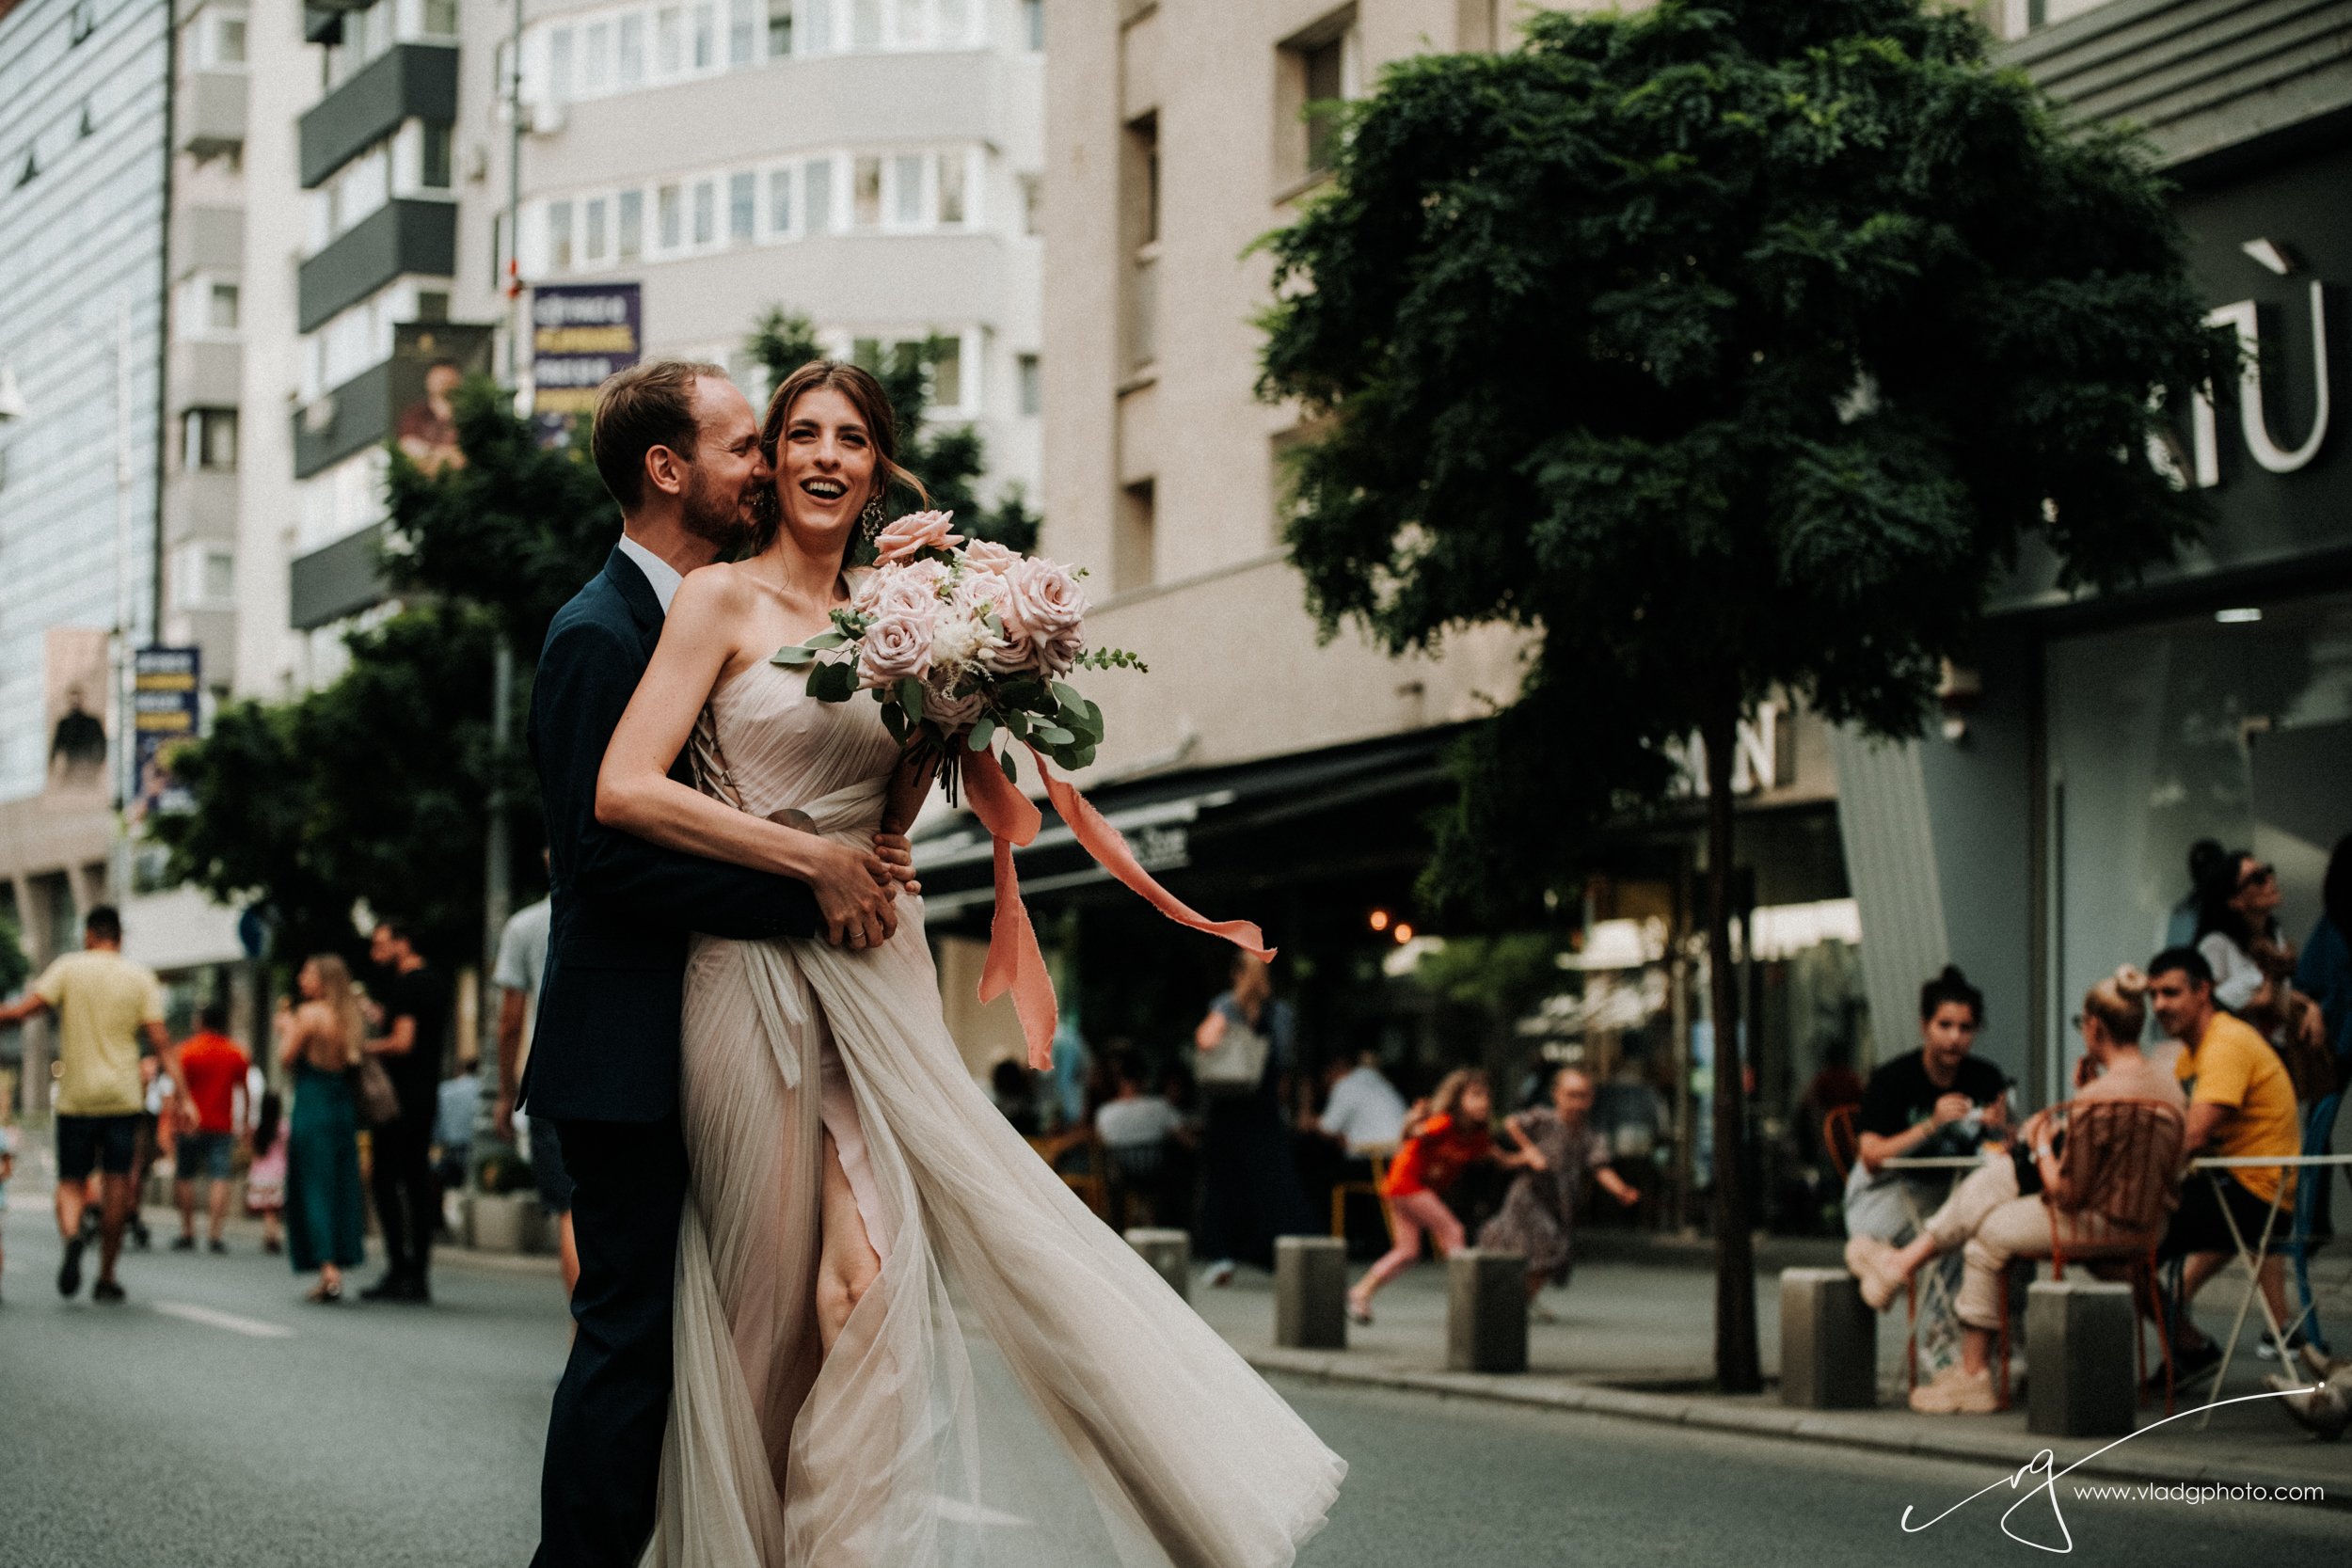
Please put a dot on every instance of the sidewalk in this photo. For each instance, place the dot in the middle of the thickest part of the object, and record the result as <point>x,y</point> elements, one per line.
<point>1636,1339</point>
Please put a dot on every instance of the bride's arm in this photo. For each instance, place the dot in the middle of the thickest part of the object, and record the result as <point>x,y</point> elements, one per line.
<point>636,795</point>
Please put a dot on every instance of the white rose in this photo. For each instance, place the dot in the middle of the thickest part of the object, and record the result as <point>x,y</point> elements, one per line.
<point>896,646</point>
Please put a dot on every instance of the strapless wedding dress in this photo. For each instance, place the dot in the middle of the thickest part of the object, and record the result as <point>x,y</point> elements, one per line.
<point>1017,1389</point>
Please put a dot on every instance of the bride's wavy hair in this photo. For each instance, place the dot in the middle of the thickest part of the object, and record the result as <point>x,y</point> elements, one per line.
<point>872,404</point>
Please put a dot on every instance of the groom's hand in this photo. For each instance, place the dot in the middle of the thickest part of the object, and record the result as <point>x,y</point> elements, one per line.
<point>897,851</point>
<point>855,891</point>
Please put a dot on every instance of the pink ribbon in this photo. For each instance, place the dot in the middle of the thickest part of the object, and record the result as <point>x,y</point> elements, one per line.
<point>1015,963</point>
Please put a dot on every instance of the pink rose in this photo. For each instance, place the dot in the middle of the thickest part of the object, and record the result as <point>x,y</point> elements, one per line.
<point>952,713</point>
<point>1042,599</point>
<point>896,646</point>
<point>912,586</point>
<point>1059,652</point>
<point>986,555</point>
<point>916,530</point>
<point>1009,655</point>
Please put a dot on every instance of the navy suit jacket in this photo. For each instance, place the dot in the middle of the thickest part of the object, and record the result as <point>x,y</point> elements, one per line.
<point>606,1047</point>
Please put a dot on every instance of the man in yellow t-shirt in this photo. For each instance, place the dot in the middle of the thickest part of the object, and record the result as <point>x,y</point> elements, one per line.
<point>103,1004</point>
<point>2241,1104</point>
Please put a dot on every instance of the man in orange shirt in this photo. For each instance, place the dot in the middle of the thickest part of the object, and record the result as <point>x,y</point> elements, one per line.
<point>215,1067</point>
<point>2241,1105</point>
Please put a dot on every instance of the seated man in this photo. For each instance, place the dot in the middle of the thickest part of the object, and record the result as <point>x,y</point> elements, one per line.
<point>1937,1101</point>
<point>2003,1210</point>
<point>2241,1104</point>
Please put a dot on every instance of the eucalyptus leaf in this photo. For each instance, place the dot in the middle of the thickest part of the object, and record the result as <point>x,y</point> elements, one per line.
<point>1054,735</point>
<point>1068,696</point>
<point>982,732</point>
<point>793,657</point>
<point>826,640</point>
<point>1012,771</point>
<point>911,697</point>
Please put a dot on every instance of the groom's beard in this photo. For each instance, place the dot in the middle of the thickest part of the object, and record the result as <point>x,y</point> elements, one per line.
<point>714,515</point>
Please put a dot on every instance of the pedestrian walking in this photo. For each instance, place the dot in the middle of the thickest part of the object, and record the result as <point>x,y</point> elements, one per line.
<point>1456,1135</point>
<point>265,1178</point>
<point>415,1007</point>
<point>522,965</point>
<point>1250,1192</point>
<point>319,1044</point>
<point>1563,1147</point>
<point>216,1068</point>
<point>104,1005</point>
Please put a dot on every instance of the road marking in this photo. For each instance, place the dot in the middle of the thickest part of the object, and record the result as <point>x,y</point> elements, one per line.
<point>211,1317</point>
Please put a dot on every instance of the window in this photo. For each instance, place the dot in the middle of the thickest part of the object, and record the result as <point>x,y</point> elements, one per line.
<point>866,194</point>
<point>1032,391</point>
<point>1032,205</point>
<point>630,224</point>
<point>1131,541</point>
<point>865,23</point>
<point>629,66</point>
<point>432,304</point>
<point>560,65</point>
<point>433,165</point>
<point>669,41</point>
<point>779,29</point>
<point>497,250</point>
<point>1033,23</point>
<point>670,213</point>
<point>211,438</point>
<point>948,373</point>
<point>595,66</point>
<point>951,188</point>
<point>1321,66</point>
<point>1316,71</point>
<point>220,39</point>
<point>742,32</point>
<point>440,18</point>
<point>594,245</point>
<point>559,236</point>
<point>816,195</point>
<point>779,202</point>
<point>742,203</point>
<point>221,307</point>
<point>705,211</point>
<point>705,36</point>
<point>817,21</point>
<point>907,203</point>
<point>204,577</point>
<point>954,18</point>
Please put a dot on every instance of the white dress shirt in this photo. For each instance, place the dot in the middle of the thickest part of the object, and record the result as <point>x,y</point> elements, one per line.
<point>1366,1110</point>
<point>659,573</point>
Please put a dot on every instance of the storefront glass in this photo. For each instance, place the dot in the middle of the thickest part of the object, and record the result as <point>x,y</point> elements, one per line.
<point>2234,725</point>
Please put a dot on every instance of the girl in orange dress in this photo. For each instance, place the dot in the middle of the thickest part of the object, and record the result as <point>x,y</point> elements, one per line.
<point>1454,1136</point>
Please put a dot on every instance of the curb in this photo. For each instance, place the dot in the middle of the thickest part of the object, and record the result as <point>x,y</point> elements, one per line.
<point>1828,1428</point>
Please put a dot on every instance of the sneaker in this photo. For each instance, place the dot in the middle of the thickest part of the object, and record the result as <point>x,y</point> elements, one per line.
<point>1957,1392</point>
<point>1219,1273</point>
<point>70,1272</point>
<point>1359,1312</point>
<point>142,1237</point>
<point>1872,1261</point>
<point>105,1289</point>
<point>2270,1350</point>
<point>217,1246</point>
<point>274,1246</point>
<point>184,1243</point>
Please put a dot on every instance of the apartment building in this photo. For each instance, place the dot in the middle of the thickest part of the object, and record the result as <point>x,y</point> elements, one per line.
<point>872,163</point>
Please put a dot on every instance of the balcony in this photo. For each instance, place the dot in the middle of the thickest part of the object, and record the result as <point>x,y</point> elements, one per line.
<point>409,81</point>
<point>205,374</point>
<point>402,236</point>
<point>337,580</point>
<point>354,417</point>
<point>212,113</point>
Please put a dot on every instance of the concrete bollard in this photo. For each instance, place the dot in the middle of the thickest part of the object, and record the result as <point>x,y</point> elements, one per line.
<point>2078,1336</point>
<point>1829,1342</point>
<point>1311,1293</point>
<point>1169,1253</point>
<point>506,1222</point>
<point>1486,1312</point>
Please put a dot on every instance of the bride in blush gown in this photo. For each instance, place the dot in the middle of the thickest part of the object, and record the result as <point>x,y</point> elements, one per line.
<point>901,1342</point>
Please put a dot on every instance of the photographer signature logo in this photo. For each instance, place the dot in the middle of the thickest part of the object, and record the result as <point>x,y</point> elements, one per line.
<point>2041,1469</point>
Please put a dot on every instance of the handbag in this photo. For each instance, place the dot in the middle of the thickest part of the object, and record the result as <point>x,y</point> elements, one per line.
<point>1237,1063</point>
<point>372,1089</point>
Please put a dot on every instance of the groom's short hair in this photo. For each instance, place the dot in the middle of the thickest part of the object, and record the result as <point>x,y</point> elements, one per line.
<point>648,405</point>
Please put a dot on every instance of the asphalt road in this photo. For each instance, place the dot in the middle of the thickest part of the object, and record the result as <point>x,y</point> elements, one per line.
<point>216,1419</point>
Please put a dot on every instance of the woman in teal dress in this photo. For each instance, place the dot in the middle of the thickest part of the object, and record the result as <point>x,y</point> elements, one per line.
<point>318,1045</point>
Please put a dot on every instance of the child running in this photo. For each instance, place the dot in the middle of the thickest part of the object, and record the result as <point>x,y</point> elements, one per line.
<point>1454,1136</point>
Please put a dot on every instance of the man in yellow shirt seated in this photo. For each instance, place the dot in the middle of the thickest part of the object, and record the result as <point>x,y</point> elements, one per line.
<point>105,1005</point>
<point>2241,1104</point>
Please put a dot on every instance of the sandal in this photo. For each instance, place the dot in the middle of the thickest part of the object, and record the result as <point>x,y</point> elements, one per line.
<point>1358,1313</point>
<point>324,1295</point>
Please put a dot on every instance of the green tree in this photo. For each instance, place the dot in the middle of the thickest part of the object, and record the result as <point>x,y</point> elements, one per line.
<point>948,459</point>
<point>1729,349</point>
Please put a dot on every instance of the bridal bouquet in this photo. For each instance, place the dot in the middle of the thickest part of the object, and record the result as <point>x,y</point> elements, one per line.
<point>958,641</point>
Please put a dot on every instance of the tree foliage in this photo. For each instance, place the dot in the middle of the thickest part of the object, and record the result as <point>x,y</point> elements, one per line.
<point>948,459</point>
<point>1727,348</point>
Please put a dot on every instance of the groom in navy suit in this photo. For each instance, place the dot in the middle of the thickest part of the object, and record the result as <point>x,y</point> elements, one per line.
<point>679,447</point>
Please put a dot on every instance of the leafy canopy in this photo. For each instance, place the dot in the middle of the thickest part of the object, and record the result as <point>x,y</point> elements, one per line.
<point>1723,349</point>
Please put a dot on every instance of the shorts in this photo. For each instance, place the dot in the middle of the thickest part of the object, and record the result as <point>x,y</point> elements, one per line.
<point>204,1155</point>
<point>547,1165</point>
<point>107,1144</point>
<point>2198,1225</point>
